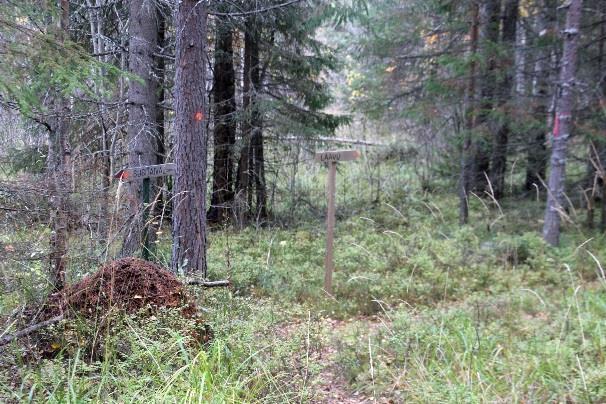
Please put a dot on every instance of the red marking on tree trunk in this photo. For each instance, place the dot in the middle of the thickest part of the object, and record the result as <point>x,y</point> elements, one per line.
<point>556,126</point>
<point>198,116</point>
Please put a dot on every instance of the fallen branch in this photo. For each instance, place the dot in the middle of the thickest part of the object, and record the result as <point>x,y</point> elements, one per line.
<point>358,142</point>
<point>26,331</point>
<point>208,284</point>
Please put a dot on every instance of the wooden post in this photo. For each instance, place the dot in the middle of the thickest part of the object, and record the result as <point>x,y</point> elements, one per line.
<point>145,231</point>
<point>332,157</point>
<point>330,227</point>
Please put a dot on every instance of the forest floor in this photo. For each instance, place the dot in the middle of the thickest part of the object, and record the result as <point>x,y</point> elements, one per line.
<point>423,311</point>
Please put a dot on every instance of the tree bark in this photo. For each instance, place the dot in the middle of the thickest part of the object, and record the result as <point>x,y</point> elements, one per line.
<point>488,40</point>
<point>563,124</point>
<point>224,89</point>
<point>467,155</point>
<point>142,132</point>
<point>58,168</point>
<point>251,170</point>
<point>498,163</point>
<point>536,160</point>
<point>189,209</point>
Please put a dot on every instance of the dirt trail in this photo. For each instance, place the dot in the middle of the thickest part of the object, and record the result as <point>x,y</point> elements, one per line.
<point>331,387</point>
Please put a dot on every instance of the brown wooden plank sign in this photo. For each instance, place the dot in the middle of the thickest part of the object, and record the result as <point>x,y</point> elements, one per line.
<point>332,158</point>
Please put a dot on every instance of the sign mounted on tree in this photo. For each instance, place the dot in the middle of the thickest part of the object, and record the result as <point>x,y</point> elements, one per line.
<point>145,173</point>
<point>332,158</point>
<point>138,173</point>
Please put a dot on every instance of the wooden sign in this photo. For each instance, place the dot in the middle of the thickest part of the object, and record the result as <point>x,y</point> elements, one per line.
<point>137,173</point>
<point>332,157</point>
<point>145,173</point>
<point>337,155</point>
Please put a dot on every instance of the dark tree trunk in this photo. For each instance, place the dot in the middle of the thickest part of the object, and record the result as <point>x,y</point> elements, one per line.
<point>536,160</point>
<point>505,91</point>
<point>562,125</point>
<point>143,96</point>
<point>224,91</point>
<point>467,156</point>
<point>189,206</point>
<point>251,172</point>
<point>597,147</point>
<point>243,177</point>
<point>59,170</point>
<point>488,40</point>
<point>160,201</point>
<point>258,160</point>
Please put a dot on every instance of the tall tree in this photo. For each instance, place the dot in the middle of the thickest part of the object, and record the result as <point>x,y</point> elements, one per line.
<point>498,160</point>
<point>59,168</point>
<point>536,160</point>
<point>251,167</point>
<point>487,87</point>
<point>470,114</point>
<point>189,205</point>
<point>224,103</point>
<point>563,124</point>
<point>143,94</point>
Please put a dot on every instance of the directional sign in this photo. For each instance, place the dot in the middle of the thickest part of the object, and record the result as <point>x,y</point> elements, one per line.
<point>137,173</point>
<point>337,155</point>
<point>332,157</point>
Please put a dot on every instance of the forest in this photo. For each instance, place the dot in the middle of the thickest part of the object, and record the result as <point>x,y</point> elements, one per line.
<point>307,201</point>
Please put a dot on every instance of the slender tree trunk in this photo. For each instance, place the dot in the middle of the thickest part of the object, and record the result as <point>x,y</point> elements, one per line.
<point>258,159</point>
<point>189,211</point>
<point>563,124</point>
<point>98,46</point>
<point>59,169</point>
<point>251,175</point>
<point>467,155</point>
<point>602,96</point>
<point>505,91</point>
<point>243,178</point>
<point>224,88</point>
<point>142,131</point>
<point>488,40</point>
<point>536,160</point>
<point>160,72</point>
<point>597,147</point>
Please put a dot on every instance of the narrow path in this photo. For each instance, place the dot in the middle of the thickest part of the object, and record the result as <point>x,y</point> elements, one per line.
<point>330,385</point>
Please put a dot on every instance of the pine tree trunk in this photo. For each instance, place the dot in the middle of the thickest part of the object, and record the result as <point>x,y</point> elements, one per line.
<point>563,124</point>
<point>189,206</point>
<point>536,160</point>
<point>488,39</point>
<point>251,173</point>
<point>59,170</point>
<point>224,88</point>
<point>258,159</point>
<point>467,155</point>
<point>498,164</point>
<point>159,207</point>
<point>244,162</point>
<point>142,131</point>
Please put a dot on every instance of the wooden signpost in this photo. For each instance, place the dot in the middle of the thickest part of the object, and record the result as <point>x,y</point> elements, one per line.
<point>332,158</point>
<point>145,173</point>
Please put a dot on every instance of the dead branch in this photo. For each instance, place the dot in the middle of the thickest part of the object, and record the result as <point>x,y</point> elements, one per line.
<point>26,331</point>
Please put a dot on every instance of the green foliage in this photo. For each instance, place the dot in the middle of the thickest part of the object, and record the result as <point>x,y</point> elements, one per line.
<point>36,60</point>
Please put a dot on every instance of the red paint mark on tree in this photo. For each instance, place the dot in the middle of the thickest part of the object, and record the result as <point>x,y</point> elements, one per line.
<point>198,116</point>
<point>124,175</point>
<point>556,126</point>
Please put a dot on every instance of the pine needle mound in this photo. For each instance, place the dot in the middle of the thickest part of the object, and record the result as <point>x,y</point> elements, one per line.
<point>127,284</point>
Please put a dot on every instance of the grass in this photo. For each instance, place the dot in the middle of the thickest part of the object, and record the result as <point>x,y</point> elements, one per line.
<point>433,312</point>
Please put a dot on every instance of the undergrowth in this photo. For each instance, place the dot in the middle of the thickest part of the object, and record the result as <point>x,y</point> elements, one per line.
<point>435,312</point>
